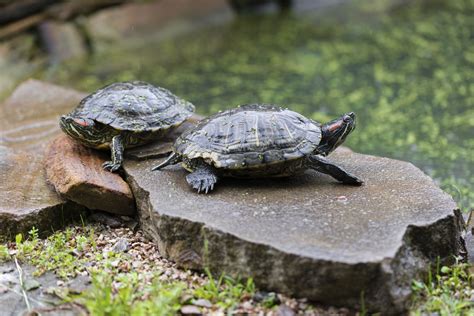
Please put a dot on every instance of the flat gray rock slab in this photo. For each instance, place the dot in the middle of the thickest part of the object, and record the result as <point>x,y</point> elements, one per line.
<point>306,236</point>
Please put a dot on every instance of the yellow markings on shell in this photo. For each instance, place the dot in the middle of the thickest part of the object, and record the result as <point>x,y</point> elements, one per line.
<point>287,129</point>
<point>213,156</point>
<point>227,134</point>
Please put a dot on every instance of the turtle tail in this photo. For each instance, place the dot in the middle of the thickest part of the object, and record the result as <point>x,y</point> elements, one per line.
<point>172,159</point>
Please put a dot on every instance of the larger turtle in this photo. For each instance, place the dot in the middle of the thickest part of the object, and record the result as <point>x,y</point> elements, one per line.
<point>122,115</point>
<point>259,140</point>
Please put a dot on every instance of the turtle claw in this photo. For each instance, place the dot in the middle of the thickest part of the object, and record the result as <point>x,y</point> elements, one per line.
<point>353,180</point>
<point>111,166</point>
<point>202,180</point>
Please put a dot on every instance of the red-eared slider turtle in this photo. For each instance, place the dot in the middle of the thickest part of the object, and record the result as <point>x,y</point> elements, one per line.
<point>259,140</point>
<point>122,115</point>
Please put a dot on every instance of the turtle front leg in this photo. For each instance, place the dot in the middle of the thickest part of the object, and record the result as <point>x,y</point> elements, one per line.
<point>323,165</point>
<point>116,149</point>
<point>202,178</point>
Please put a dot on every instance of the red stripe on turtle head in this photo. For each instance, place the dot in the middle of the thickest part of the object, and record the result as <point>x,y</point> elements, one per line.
<point>81,121</point>
<point>334,126</point>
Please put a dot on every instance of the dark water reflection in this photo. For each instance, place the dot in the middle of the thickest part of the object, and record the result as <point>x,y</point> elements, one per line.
<point>408,73</point>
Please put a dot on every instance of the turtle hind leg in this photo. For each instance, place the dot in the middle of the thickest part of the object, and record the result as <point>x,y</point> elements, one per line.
<point>172,159</point>
<point>323,165</point>
<point>202,179</point>
<point>116,149</point>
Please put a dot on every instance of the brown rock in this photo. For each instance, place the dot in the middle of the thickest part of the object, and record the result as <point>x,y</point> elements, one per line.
<point>25,198</point>
<point>76,173</point>
<point>28,119</point>
<point>62,41</point>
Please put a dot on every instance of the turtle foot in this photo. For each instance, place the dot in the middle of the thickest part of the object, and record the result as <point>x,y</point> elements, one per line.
<point>111,166</point>
<point>202,180</point>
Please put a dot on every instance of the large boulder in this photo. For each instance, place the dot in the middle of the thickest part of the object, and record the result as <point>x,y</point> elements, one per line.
<point>307,236</point>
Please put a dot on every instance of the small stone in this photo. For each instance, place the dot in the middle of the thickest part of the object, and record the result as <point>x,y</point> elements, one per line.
<point>76,173</point>
<point>59,291</point>
<point>132,225</point>
<point>76,253</point>
<point>122,245</point>
<point>247,305</point>
<point>137,264</point>
<point>190,310</point>
<point>284,310</point>
<point>267,298</point>
<point>79,284</point>
<point>124,266</point>
<point>202,302</point>
<point>31,284</point>
<point>105,219</point>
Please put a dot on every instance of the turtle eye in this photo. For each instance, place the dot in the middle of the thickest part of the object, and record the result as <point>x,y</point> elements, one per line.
<point>346,118</point>
<point>81,122</point>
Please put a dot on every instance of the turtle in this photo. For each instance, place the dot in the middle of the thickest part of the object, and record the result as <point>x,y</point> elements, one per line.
<point>122,115</point>
<point>259,140</point>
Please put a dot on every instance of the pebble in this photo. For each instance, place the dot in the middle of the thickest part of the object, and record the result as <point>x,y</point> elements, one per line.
<point>122,245</point>
<point>284,310</point>
<point>203,303</point>
<point>31,284</point>
<point>190,310</point>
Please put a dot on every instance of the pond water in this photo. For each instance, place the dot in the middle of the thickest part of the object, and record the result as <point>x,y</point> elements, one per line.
<point>407,72</point>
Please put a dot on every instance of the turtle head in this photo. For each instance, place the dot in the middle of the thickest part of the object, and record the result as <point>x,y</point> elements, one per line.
<point>82,129</point>
<point>335,132</point>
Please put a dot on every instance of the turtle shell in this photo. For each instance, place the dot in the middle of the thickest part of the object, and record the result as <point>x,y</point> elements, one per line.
<point>134,106</point>
<point>250,136</point>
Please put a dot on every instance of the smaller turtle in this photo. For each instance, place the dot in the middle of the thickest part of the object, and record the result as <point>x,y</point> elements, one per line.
<point>123,115</point>
<point>259,140</point>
